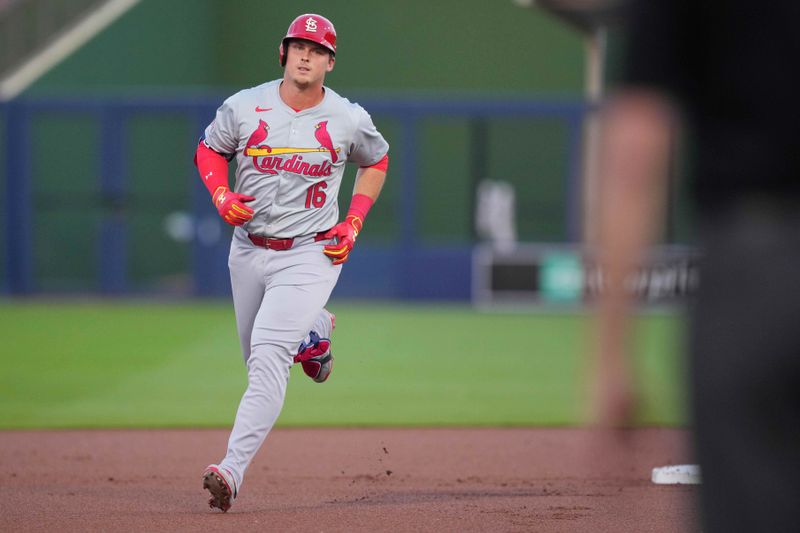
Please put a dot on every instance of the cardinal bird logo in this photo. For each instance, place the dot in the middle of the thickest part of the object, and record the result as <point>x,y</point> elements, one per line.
<point>324,138</point>
<point>259,136</point>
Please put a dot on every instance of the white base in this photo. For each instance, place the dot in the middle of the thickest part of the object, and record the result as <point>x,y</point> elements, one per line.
<point>676,475</point>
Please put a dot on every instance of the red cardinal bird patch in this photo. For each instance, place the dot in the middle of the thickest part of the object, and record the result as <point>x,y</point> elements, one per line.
<point>324,138</point>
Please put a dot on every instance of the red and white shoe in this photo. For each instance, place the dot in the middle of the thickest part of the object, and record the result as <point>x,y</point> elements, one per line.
<point>315,355</point>
<point>220,483</point>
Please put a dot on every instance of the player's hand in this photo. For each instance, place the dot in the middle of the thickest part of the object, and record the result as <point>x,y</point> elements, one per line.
<point>231,206</point>
<point>345,233</point>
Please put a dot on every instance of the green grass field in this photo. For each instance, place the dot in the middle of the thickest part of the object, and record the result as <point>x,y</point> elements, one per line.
<point>68,364</point>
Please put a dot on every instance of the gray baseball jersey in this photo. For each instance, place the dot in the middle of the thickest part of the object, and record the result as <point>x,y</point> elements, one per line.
<point>292,162</point>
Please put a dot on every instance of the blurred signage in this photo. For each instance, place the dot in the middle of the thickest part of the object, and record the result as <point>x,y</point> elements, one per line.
<point>539,273</point>
<point>561,277</point>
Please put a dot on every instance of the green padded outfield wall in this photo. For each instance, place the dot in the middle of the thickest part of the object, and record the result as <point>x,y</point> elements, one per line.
<point>416,48</point>
<point>470,46</point>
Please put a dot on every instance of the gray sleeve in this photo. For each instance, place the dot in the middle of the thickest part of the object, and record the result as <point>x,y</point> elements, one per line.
<point>368,146</point>
<point>222,134</point>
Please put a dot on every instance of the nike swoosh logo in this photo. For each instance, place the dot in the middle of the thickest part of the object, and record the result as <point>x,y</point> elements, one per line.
<point>262,109</point>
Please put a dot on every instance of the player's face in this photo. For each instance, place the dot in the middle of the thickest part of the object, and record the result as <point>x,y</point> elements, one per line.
<point>307,62</point>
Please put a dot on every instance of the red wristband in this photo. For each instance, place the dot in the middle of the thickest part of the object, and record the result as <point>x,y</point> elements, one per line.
<point>360,205</point>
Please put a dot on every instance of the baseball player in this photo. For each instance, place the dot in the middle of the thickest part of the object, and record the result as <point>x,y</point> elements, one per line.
<point>291,138</point>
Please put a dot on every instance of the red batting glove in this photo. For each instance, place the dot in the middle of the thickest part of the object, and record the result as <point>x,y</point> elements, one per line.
<point>345,233</point>
<point>231,206</point>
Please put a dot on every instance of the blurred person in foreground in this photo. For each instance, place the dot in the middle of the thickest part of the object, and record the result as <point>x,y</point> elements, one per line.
<point>722,75</point>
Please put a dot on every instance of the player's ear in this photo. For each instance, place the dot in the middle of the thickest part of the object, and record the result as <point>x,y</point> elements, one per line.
<point>331,62</point>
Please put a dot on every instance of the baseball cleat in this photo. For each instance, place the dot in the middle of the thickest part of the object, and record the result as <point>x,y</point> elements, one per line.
<point>315,356</point>
<point>220,483</point>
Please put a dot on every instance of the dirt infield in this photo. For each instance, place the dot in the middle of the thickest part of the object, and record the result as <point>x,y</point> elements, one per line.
<point>345,480</point>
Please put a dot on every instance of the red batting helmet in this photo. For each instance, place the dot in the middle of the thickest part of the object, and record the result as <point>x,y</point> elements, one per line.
<point>311,27</point>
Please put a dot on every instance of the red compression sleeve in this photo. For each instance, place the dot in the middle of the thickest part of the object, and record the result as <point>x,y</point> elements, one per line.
<point>213,168</point>
<point>360,205</point>
<point>382,165</point>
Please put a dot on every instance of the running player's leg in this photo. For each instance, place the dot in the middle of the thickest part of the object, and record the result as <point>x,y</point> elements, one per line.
<point>300,282</point>
<point>248,273</point>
